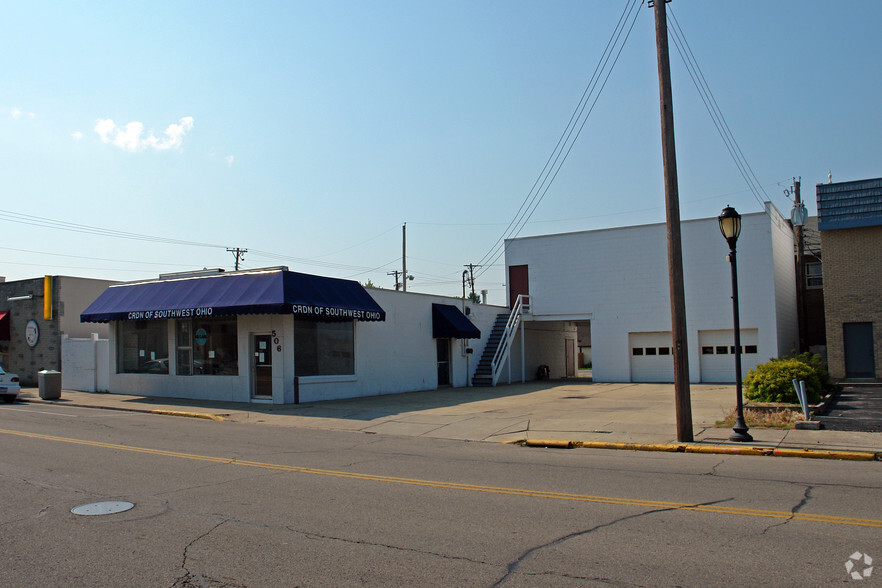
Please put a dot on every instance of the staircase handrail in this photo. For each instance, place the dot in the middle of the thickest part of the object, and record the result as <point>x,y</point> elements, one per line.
<point>521,306</point>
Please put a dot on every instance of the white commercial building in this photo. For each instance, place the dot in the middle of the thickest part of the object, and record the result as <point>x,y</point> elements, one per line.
<point>616,280</point>
<point>282,337</point>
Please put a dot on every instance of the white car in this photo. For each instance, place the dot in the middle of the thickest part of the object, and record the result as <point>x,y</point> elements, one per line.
<point>9,386</point>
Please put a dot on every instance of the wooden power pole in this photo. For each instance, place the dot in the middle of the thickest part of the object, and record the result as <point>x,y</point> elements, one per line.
<point>404,257</point>
<point>675,250</point>
<point>800,276</point>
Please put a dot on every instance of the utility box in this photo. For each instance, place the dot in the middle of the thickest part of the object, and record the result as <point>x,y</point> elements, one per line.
<point>49,382</point>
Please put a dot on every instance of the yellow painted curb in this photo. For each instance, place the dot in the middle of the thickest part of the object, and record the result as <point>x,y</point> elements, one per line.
<point>715,449</point>
<point>192,415</point>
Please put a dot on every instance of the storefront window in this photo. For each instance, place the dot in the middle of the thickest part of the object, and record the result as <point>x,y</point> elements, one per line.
<point>143,347</point>
<point>324,349</point>
<point>207,347</point>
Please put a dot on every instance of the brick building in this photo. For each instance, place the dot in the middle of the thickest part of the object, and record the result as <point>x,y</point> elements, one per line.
<point>32,324</point>
<point>850,223</point>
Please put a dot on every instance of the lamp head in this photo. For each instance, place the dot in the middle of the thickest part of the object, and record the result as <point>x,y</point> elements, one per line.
<point>730,225</point>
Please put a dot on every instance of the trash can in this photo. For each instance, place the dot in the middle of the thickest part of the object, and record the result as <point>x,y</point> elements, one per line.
<point>49,382</point>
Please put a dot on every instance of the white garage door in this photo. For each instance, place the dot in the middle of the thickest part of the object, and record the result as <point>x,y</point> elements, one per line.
<point>717,350</point>
<point>651,357</point>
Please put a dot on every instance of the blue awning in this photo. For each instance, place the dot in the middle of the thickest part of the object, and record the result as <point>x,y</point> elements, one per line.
<point>449,323</point>
<point>260,292</point>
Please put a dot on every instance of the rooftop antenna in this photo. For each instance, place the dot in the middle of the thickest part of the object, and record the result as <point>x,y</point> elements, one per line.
<point>829,176</point>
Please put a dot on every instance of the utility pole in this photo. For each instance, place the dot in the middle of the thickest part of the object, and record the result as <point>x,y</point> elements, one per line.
<point>403,257</point>
<point>800,270</point>
<point>471,269</point>
<point>404,276</point>
<point>239,253</point>
<point>675,250</point>
<point>396,274</point>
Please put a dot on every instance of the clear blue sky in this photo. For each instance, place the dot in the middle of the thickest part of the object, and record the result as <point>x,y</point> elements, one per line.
<point>313,131</point>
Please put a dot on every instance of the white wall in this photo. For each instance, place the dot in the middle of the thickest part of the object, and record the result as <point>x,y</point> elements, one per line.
<point>785,287</point>
<point>619,279</point>
<point>399,354</point>
<point>80,360</point>
<point>393,356</point>
<point>86,364</point>
<point>75,295</point>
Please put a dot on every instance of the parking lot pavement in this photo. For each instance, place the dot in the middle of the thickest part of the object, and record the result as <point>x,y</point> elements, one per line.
<point>856,408</point>
<point>566,410</point>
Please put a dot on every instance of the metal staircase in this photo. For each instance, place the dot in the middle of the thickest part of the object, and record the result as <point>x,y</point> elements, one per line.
<point>498,345</point>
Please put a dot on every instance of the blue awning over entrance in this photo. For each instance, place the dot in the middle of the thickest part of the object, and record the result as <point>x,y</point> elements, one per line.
<point>259,292</point>
<point>449,323</point>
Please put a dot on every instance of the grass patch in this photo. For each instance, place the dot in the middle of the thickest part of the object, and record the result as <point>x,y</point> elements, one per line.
<point>764,419</point>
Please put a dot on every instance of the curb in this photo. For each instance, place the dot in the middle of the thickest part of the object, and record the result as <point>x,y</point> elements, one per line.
<point>192,415</point>
<point>178,413</point>
<point>715,449</point>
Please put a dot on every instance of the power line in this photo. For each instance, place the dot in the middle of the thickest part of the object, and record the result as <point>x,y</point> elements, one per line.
<point>571,133</point>
<point>713,109</point>
<point>40,221</point>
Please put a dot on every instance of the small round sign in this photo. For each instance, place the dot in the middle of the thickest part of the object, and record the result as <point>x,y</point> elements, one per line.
<point>32,333</point>
<point>201,336</point>
<point>102,508</point>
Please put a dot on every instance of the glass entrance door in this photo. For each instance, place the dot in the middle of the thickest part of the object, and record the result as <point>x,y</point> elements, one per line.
<point>261,366</point>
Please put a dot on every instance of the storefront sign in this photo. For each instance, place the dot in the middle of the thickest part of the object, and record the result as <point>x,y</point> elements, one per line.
<point>334,313</point>
<point>170,314</point>
<point>331,313</point>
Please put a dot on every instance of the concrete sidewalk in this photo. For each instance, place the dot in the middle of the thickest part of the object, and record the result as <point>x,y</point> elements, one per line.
<point>596,414</point>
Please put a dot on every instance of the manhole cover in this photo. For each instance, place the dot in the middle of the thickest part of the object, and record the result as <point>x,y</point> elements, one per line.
<point>102,508</point>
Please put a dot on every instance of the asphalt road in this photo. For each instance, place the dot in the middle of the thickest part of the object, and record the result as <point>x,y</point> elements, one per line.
<point>234,504</point>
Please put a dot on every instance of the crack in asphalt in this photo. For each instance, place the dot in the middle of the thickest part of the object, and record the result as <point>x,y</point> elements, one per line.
<point>806,496</point>
<point>195,579</point>
<point>512,566</point>
<point>172,491</point>
<point>312,535</point>
<point>713,470</point>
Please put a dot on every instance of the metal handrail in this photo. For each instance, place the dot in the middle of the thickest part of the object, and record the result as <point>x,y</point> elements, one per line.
<point>522,306</point>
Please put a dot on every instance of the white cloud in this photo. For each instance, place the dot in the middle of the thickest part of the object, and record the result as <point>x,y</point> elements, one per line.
<point>77,135</point>
<point>17,113</point>
<point>229,160</point>
<point>129,138</point>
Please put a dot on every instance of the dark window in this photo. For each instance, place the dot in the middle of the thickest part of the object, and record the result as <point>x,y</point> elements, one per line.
<point>722,350</point>
<point>207,347</point>
<point>750,349</point>
<point>813,276</point>
<point>732,349</point>
<point>707,350</point>
<point>324,349</point>
<point>650,351</point>
<point>637,351</point>
<point>664,350</point>
<point>143,347</point>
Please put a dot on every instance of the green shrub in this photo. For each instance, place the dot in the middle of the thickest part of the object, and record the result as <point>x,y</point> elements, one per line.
<point>814,360</point>
<point>773,381</point>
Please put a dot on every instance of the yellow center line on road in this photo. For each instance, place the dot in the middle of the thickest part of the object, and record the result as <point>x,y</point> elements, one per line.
<point>709,508</point>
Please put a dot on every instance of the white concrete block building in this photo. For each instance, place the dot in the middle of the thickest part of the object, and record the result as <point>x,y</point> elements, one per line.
<point>617,280</point>
<point>281,337</point>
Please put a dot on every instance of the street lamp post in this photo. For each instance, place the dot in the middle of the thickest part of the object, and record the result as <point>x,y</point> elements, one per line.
<point>730,226</point>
